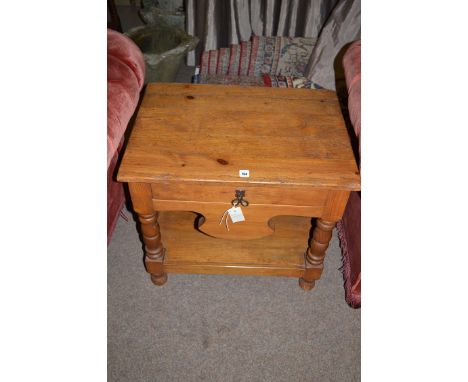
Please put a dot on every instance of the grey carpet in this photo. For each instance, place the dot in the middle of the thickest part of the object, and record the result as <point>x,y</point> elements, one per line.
<point>226,328</point>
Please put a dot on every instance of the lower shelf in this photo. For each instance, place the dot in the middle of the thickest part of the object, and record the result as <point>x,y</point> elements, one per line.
<point>190,251</point>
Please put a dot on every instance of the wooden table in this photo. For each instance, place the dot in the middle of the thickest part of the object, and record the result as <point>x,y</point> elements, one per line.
<point>183,166</point>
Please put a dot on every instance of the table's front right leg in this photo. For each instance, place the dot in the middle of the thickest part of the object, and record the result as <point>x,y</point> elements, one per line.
<point>154,250</point>
<point>333,211</point>
<point>315,254</point>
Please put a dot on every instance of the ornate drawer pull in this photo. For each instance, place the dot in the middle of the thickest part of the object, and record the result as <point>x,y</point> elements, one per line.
<point>240,194</point>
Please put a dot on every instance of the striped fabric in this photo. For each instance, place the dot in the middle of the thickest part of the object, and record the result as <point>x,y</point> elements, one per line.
<point>223,61</point>
<point>274,45</point>
<point>246,47</point>
<point>205,57</point>
<point>233,68</point>
<point>213,62</point>
<point>277,56</point>
<point>265,55</point>
<point>256,50</point>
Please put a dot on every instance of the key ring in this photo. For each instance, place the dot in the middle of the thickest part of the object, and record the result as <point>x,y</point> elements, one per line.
<point>239,199</point>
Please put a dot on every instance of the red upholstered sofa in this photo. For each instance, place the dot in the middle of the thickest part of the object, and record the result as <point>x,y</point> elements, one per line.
<point>125,76</point>
<point>349,228</point>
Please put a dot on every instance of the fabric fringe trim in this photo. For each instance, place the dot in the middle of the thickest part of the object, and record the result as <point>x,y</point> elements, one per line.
<point>351,298</point>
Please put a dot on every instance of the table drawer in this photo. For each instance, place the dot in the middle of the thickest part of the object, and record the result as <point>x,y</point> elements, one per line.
<point>213,199</point>
<point>254,194</point>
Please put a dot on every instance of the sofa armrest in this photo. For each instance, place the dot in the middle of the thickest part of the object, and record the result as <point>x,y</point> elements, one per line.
<point>125,78</point>
<point>352,68</point>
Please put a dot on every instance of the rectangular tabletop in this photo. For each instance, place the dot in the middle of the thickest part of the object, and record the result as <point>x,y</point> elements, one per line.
<point>208,133</point>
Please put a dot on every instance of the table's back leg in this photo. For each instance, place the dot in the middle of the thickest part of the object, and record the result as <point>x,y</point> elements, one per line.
<point>315,254</point>
<point>154,250</point>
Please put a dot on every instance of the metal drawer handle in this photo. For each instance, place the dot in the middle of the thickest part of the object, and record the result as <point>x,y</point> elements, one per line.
<point>240,194</point>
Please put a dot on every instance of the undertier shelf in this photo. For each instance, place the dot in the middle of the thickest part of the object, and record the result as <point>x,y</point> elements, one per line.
<point>190,251</point>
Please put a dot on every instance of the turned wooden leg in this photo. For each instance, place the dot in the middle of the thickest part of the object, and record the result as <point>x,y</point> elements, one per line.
<point>315,254</point>
<point>154,250</point>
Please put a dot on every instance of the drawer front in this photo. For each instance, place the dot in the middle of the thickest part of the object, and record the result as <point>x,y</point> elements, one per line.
<point>213,200</point>
<point>272,195</point>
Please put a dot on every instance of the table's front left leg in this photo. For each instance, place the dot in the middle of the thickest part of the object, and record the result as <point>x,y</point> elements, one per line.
<point>154,250</point>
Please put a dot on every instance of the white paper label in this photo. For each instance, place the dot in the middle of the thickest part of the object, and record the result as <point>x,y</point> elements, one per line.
<point>236,215</point>
<point>244,173</point>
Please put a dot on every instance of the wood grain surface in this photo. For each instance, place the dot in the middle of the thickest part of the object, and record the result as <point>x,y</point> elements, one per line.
<point>208,133</point>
